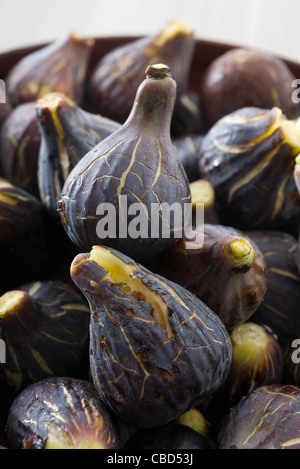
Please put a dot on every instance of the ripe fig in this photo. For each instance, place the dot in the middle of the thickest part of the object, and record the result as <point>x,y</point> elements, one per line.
<point>19,147</point>
<point>248,156</point>
<point>59,66</point>
<point>188,151</point>
<point>243,77</point>
<point>68,132</point>
<point>134,170</point>
<point>61,413</point>
<point>280,307</point>
<point>45,326</point>
<point>223,267</point>
<point>265,419</point>
<point>116,77</point>
<point>155,349</point>
<point>29,241</point>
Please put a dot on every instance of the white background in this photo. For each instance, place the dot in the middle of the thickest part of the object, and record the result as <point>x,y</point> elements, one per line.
<point>270,25</point>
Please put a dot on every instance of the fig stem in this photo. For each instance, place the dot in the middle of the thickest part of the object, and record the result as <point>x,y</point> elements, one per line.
<point>241,252</point>
<point>157,71</point>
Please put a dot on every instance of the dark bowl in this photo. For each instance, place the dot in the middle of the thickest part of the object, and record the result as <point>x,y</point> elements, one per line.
<point>205,52</point>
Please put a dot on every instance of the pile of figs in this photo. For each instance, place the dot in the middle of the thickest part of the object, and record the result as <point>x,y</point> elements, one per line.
<point>149,248</point>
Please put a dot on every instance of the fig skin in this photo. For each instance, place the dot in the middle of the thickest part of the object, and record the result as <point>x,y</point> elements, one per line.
<point>280,307</point>
<point>243,77</point>
<point>38,73</point>
<point>169,436</point>
<point>265,419</point>
<point>248,156</point>
<point>31,246</point>
<point>188,151</point>
<point>232,283</point>
<point>45,326</point>
<point>19,148</point>
<point>136,162</point>
<point>67,133</point>
<point>155,349</point>
<point>80,420</point>
<point>112,96</point>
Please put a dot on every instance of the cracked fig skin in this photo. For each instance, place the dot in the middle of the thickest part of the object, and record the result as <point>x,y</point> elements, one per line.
<point>268,418</point>
<point>155,349</point>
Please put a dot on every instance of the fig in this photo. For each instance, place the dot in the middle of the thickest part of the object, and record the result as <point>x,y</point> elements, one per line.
<point>122,192</point>
<point>29,241</point>
<point>243,77</point>
<point>169,436</point>
<point>222,266</point>
<point>248,156</point>
<point>68,132</point>
<point>188,151</point>
<point>19,148</point>
<point>116,77</point>
<point>155,349</point>
<point>59,66</point>
<point>45,327</point>
<point>257,360</point>
<point>195,419</point>
<point>265,419</point>
<point>280,307</point>
<point>61,413</point>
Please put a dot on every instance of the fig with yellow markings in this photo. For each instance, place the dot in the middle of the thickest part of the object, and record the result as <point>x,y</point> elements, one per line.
<point>155,349</point>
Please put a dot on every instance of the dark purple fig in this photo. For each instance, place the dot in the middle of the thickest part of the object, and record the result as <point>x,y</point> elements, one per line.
<point>170,436</point>
<point>19,147</point>
<point>121,192</point>
<point>265,419</point>
<point>5,109</point>
<point>61,413</point>
<point>68,132</point>
<point>116,77</point>
<point>203,196</point>
<point>280,307</point>
<point>45,326</point>
<point>223,267</point>
<point>243,77</point>
<point>248,156</point>
<point>60,66</point>
<point>292,363</point>
<point>188,151</point>
<point>29,241</point>
<point>297,182</point>
<point>155,349</point>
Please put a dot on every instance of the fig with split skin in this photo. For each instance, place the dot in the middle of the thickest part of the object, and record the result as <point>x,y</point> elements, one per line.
<point>45,326</point>
<point>155,349</point>
<point>19,147</point>
<point>265,419</point>
<point>116,77</point>
<point>61,413</point>
<point>59,66</point>
<point>248,156</point>
<point>120,194</point>
<point>67,133</point>
<point>222,266</point>
<point>243,77</point>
